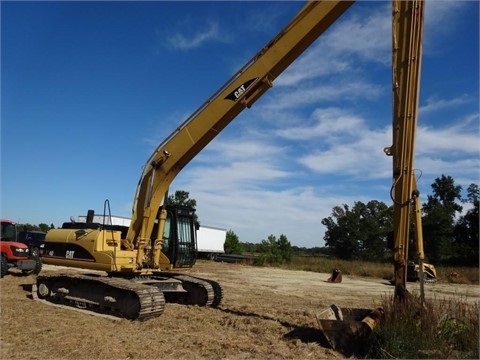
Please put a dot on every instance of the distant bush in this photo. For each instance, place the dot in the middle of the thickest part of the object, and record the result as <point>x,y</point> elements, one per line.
<point>274,252</point>
<point>232,243</point>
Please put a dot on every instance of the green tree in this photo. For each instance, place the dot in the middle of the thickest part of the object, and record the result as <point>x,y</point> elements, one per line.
<point>340,235</point>
<point>360,232</point>
<point>40,227</point>
<point>466,240</point>
<point>285,249</point>
<point>438,220</point>
<point>27,227</point>
<point>44,227</point>
<point>269,251</point>
<point>251,248</point>
<point>181,197</point>
<point>275,252</point>
<point>376,221</point>
<point>232,244</point>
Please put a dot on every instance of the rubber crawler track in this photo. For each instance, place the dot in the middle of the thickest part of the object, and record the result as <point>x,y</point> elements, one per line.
<point>124,297</point>
<point>116,296</point>
<point>213,290</point>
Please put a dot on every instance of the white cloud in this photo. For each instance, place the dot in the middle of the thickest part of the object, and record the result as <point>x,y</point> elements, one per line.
<point>365,36</point>
<point>246,174</point>
<point>315,63</point>
<point>239,150</point>
<point>184,41</point>
<point>298,96</point>
<point>436,104</point>
<point>327,123</point>
<point>457,139</point>
<point>360,158</point>
<point>440,16</point>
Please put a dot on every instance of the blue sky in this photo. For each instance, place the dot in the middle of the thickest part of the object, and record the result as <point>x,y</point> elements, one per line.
<point>89,89</point>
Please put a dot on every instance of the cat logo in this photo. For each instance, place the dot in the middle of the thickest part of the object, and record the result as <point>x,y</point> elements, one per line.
<point>237,93</point>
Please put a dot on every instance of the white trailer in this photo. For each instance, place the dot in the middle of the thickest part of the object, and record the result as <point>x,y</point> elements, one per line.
<point>210,241</point>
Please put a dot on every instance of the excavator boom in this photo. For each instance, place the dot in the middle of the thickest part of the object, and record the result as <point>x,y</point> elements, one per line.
<point>241,91</point>
<point>407,31</point>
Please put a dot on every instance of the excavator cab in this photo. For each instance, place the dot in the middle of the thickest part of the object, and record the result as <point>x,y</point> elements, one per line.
<point>179,236</point>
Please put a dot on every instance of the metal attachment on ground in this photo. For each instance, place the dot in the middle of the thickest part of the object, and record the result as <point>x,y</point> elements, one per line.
<point>336,276</point>
<point>346,329</point>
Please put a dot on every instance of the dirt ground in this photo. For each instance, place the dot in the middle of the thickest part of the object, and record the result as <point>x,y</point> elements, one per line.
<point>266,313</point>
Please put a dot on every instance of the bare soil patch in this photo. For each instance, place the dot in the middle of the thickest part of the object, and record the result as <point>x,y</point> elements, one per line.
<point>267,313</point>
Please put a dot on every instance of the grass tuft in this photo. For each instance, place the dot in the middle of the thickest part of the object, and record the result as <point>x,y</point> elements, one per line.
<point>445,329</point>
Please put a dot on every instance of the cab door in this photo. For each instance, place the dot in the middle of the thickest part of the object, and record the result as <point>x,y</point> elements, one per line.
<point>180,230</point>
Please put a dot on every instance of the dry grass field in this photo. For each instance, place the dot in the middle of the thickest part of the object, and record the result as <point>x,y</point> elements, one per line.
<point>267,313</point>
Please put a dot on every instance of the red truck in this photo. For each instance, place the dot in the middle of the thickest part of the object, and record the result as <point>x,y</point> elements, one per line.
<point>15,254</point>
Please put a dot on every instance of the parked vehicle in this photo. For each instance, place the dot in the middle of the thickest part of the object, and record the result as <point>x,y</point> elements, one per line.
<point>15,254</point>
<point>35,240</point>
<point>210,242</point>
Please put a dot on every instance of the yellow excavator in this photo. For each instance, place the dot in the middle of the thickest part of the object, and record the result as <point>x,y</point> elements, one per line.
<point>140,259</point>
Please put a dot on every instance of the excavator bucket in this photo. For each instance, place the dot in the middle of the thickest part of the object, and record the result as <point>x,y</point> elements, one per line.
<point>336,276</point>
<point>346,329</point>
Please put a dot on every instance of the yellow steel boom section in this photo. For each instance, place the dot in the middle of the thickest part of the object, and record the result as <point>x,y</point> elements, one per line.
<point>241,91</point>
<point>407,31</point>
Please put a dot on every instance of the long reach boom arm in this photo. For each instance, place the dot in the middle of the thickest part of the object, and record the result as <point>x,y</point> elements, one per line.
<point>241,91</point>
<point>407,31</point>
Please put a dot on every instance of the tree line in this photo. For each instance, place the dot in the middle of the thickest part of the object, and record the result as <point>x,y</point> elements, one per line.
<point>365,231</point>
<point>40,227</point>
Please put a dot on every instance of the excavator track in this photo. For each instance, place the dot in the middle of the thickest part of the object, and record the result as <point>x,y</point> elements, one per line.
<point>138,298</point>
<point>99,294</point>
<point>201,292</point>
